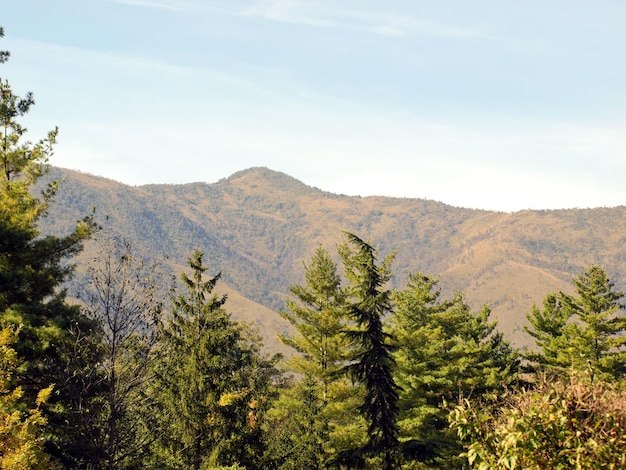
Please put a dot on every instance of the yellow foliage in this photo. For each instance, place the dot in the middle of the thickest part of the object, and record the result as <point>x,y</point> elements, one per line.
<point>21,444</point>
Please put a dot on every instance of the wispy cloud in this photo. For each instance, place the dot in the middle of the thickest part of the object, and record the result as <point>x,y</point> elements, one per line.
<point>406,25</point>
<point>326,14</point>
<point>291,11</point>
<point>177,5</point>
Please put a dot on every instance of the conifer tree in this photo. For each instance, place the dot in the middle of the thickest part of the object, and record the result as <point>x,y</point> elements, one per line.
<point>33,268</point>
<point>317,413</point>
<point>212,384</point>
<point>419,357</point>
<point>21,433</point>
<point>372,363</point>
<point>318,313</point>
<point>547,326</point>
<point>445,352</point>
<point>298,428</point>
<point>582,331</point>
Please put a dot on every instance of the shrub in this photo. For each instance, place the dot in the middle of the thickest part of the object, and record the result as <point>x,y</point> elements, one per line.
<point>577,423</point>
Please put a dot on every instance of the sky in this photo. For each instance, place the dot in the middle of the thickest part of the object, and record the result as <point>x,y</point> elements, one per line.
<point>493,104</point>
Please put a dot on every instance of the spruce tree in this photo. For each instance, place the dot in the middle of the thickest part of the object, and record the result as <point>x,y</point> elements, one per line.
<point>212,384</point>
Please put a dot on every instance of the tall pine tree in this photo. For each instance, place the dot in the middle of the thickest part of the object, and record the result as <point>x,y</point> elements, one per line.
<point>314,418</point>
<point>445,352</point>
<point>318,313</point>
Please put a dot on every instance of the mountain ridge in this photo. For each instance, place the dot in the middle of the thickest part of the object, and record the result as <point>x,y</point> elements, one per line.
<point>258,226</point>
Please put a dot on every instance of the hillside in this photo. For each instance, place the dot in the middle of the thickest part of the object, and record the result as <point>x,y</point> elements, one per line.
<point>258,226</point>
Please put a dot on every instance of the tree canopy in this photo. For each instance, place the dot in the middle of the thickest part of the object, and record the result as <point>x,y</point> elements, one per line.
<point>581,331</point>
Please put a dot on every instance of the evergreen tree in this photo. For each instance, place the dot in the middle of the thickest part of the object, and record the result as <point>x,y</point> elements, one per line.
<point>318,313</point>
<point>372,363</point>
<point>548,327</point>
<point>297,428</point>
<point>600,332</point>
<point>212,383</point>
<point>582,331</point>
<point>33,268</point>
<point>445,353</point>
<point>316,414</point>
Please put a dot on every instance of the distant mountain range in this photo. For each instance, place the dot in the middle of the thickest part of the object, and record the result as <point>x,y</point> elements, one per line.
<point>258,227</point>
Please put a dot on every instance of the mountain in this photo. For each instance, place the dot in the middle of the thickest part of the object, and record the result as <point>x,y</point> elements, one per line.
<point>258,226</point>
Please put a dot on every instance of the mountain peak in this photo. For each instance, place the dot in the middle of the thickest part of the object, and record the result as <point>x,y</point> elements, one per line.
<point>265,176</point>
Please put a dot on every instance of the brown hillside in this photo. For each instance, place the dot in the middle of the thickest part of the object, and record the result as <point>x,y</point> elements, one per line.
<point>258,226</point>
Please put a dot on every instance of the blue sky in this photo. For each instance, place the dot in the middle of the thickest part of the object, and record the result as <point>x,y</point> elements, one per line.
<point>503,105</point>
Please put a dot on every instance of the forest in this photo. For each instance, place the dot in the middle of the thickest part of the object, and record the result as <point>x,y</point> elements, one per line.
<point>380,377</point>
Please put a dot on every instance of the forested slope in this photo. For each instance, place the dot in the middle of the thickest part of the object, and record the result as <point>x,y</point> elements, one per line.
<point>258,226</point>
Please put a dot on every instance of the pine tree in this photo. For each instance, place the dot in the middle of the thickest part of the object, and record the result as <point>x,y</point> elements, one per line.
<point>445,352</point>
<point>33,268</point>
<point>582,331</point>
<point>317,312</point>
<point>548,327</point>
<point>419,360</point>
<point>316,414</point>
<point>600,339</point>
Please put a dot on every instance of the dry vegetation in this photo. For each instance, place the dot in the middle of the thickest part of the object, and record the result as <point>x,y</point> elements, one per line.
<point>258,226</point>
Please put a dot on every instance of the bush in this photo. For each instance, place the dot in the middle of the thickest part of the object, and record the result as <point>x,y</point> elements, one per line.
<point>576,423</point>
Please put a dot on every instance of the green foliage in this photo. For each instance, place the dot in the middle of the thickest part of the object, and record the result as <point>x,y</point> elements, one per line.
<point>433,351</point>
<point>33,268</point>
<point>298,428</point>
<point>317,312</point>
<point>316,417</point>
<point>30,265</point>
<point>581,331</point>
<point>212,384</point>
<point>372,363</point>
<point>559,424</point>
<point>445,353</point>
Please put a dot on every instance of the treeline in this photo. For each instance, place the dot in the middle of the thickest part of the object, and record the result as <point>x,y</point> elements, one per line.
<point>381,378</point>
